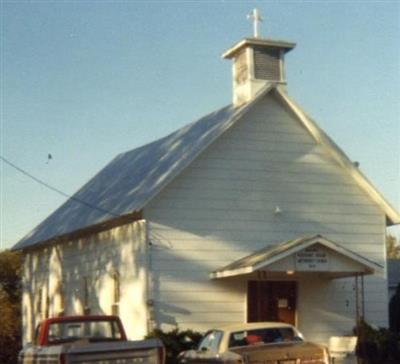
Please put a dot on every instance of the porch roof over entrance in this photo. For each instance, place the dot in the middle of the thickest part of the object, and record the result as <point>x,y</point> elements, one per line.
<point>306,254</point>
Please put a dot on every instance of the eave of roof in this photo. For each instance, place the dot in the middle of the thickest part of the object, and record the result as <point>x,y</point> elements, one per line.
<point>286,46</point>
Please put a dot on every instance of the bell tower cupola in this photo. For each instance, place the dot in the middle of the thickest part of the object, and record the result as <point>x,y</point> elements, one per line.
<point>256,62</point>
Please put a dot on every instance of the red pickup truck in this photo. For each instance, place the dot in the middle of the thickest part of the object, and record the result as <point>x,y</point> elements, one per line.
<point>87,340</point>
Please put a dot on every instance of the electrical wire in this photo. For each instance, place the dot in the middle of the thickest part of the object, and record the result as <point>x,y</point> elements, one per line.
<point>54,189</point>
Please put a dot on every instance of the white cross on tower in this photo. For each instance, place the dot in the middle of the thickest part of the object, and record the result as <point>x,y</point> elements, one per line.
<point>256,17</point>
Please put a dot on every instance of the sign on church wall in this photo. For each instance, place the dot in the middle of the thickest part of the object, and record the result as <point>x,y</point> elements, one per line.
<point>312,259</point>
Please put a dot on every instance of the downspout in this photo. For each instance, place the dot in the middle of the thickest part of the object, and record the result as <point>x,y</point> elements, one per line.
<point>360,303</point>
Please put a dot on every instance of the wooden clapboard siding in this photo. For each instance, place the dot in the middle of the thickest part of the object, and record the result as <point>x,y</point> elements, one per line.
<point>251,215</point>
<point>204,297</point>
<point>305,227</point>
<point>221,208</point>
<point>96,257</point>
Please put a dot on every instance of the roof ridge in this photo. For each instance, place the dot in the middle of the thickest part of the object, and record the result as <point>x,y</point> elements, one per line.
<point>173,132</point>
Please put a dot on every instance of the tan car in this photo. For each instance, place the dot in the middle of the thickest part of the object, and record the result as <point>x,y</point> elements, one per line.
<point>256,343</point>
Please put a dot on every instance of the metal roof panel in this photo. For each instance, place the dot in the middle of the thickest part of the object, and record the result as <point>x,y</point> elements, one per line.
<point>131,179</point>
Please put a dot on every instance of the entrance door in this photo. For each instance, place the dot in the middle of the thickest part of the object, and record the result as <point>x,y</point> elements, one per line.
<point>271,301</point>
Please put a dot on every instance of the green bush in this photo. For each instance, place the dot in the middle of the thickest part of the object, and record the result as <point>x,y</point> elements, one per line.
<point>176,341</point>
<point>376,344</point>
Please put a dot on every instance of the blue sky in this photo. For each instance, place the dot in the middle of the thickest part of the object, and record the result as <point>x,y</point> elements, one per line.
<point>86,80</point>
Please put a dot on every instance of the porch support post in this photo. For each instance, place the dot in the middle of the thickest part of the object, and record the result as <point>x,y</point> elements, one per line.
<point>362,297</point>
<point>357,300</point>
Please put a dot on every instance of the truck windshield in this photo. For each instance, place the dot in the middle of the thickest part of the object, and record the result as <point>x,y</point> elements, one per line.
<point>67,331</point>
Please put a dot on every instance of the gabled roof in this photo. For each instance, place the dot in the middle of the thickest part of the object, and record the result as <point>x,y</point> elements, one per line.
<point>133,178</point>
<point>272,254</point>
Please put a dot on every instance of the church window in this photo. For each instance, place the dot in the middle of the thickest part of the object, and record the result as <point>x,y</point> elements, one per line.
<point>116,284</point>
<point>61,288</point>
<point>86,307</point>
<point>39,302</point>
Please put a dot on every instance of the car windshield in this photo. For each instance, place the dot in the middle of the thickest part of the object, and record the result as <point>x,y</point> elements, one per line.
<point>263,336</point>
<point>66,331</point>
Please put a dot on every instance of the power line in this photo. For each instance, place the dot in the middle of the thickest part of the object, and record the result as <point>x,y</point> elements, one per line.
<point>5,160</point>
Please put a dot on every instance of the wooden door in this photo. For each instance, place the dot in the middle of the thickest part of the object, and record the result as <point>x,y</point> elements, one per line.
<point>271,301</point>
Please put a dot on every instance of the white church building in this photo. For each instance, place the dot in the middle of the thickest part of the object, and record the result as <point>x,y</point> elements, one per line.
<point>251,213</point>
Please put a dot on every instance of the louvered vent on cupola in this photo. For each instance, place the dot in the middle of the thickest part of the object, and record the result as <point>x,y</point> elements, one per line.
<point>267,64</point>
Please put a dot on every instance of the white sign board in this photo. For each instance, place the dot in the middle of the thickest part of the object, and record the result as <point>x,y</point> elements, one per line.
<point>312,259</point>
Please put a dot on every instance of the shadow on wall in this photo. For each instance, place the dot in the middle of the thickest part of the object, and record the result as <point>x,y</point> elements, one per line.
<point>89,275</point>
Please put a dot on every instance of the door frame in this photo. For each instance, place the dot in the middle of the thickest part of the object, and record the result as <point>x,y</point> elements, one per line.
<point>296,293</point>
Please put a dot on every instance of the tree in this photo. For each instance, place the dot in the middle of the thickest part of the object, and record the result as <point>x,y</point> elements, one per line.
<point>394,311</point>
<point>392,247</point>
<point>10,306</point>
